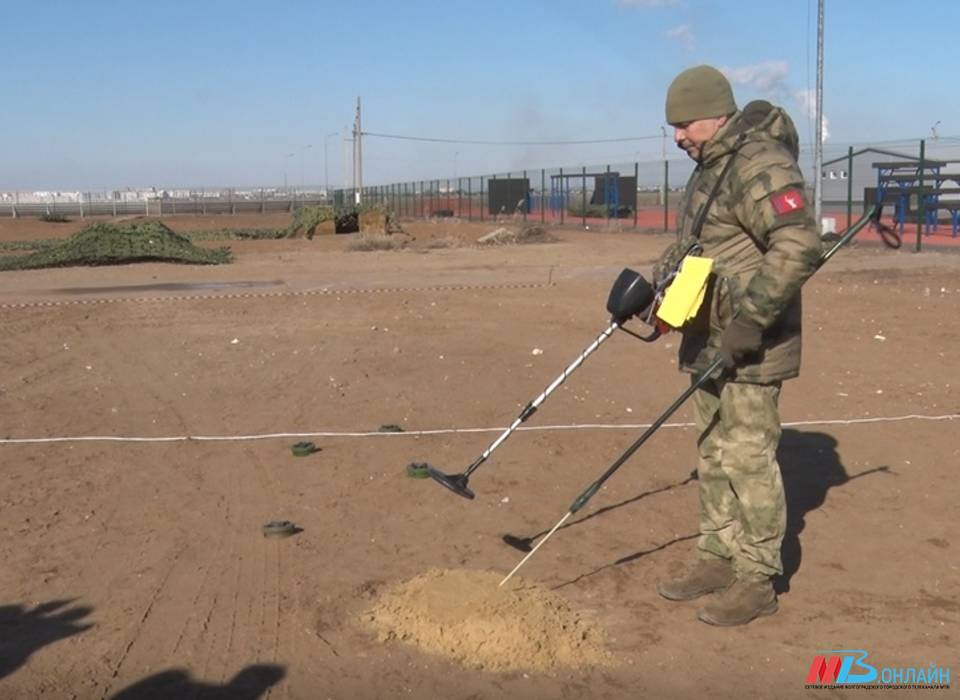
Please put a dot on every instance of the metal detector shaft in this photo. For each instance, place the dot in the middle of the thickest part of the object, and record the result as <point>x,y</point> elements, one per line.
<point>589,492</point>
<point>532,407</point>
<point>847,236</point>
<point>592,489</point>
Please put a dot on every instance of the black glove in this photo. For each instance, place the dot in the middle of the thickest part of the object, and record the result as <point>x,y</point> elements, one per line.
<point>741,338</point>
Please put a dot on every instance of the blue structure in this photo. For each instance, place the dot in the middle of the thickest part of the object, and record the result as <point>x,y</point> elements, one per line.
<point>901,179</point>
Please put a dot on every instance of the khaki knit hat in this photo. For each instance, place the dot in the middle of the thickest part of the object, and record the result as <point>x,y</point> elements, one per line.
<point>700,92</point>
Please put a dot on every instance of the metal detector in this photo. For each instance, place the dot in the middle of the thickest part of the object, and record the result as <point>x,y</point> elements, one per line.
<point>872,216</point>
<point>631,295</point>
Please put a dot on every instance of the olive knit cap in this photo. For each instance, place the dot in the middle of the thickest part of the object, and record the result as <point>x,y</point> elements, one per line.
<point>700,92</point>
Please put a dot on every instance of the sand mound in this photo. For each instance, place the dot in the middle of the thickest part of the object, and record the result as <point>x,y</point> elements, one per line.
<point>464,616</point>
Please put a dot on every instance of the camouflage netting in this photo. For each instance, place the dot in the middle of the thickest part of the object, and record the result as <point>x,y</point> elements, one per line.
<point>118,244</point>
<point>307,219</point>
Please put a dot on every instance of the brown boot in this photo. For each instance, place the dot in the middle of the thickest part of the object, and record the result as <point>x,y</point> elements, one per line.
<point>742,602</point>
<point>707,576</point>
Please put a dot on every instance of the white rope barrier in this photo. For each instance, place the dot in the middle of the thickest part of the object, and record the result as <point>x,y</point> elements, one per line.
<point>324,291</point>
<point>443,431</point>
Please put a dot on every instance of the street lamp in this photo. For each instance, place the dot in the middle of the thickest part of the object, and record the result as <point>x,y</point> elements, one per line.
<point>302,151</point>
<point>326,170</point>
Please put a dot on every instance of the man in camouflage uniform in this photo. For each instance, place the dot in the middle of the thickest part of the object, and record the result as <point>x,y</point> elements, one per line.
<point>762,238</point>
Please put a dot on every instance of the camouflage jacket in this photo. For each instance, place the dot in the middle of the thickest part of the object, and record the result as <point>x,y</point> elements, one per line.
<point>761,235</point>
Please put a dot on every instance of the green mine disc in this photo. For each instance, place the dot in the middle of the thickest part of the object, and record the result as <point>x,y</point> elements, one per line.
<point>279,528</point>
<point>302,449</point>
<point>417,470</point>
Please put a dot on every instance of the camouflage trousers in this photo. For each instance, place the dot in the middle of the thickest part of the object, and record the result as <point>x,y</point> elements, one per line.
<point>743,511</point>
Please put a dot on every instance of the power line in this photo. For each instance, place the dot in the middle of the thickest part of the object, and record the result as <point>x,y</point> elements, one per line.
<point>509,143</point>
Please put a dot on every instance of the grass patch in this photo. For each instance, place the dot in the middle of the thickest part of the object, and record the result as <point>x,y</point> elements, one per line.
<point>366,242</point>
<point>41,244</point>
<point>445,242</point>
<point>52,217</point>
<point>237,234</point>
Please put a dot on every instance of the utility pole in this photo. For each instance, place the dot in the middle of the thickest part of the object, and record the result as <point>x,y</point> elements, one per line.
<point>663,157</point>
<point>357,155</point>
<point>346,169</point>
<point>818,151</point>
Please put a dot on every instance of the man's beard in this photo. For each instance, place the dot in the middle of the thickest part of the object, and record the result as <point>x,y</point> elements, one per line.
<point>685,146</point>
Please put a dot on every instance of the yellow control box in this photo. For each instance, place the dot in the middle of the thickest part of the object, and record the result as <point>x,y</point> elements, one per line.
<point>685,294</point>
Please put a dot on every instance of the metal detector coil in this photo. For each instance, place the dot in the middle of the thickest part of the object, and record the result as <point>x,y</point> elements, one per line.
<point>630,295</point>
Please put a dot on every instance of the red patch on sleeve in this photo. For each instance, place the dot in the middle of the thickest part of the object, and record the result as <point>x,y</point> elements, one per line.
<point>788,201</point>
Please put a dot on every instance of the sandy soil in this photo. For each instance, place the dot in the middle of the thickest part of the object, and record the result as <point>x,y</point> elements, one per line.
<point>137,569</point>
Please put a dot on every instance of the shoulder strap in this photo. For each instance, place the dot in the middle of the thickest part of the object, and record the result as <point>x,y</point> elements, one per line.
<point>702,214</point>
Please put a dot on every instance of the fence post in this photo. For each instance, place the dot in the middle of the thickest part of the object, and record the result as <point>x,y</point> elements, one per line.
<point>482,201</point>
<point>469,199</point>
<point>16,201</point>
<point>921,200</point>
<point>636,188</point>
<point>543,189</point>
<point>583,196</point>
<point>606,191</point>
<point>563,197</point>
<point>849,187</point>
<point>666,195</point>
<point>526,197</point>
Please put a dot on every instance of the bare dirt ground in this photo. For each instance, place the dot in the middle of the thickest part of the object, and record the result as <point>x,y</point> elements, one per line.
<point>138,569</point>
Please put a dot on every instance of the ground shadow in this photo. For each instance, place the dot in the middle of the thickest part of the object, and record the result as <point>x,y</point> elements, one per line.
<point>249,684</point>
<point>524,544</point>
<point>23,631</point>
<point>811,466</point>
<point>629,558</point>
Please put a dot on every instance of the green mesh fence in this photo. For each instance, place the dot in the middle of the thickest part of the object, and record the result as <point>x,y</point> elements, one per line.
<point>117,244</point>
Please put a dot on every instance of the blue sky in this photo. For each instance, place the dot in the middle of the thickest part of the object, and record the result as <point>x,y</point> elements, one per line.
<point>111,94</point>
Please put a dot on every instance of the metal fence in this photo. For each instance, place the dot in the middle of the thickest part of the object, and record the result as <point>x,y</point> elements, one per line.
<point>625,194</point>
<point>920,180</point>
<point>199,202</point>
